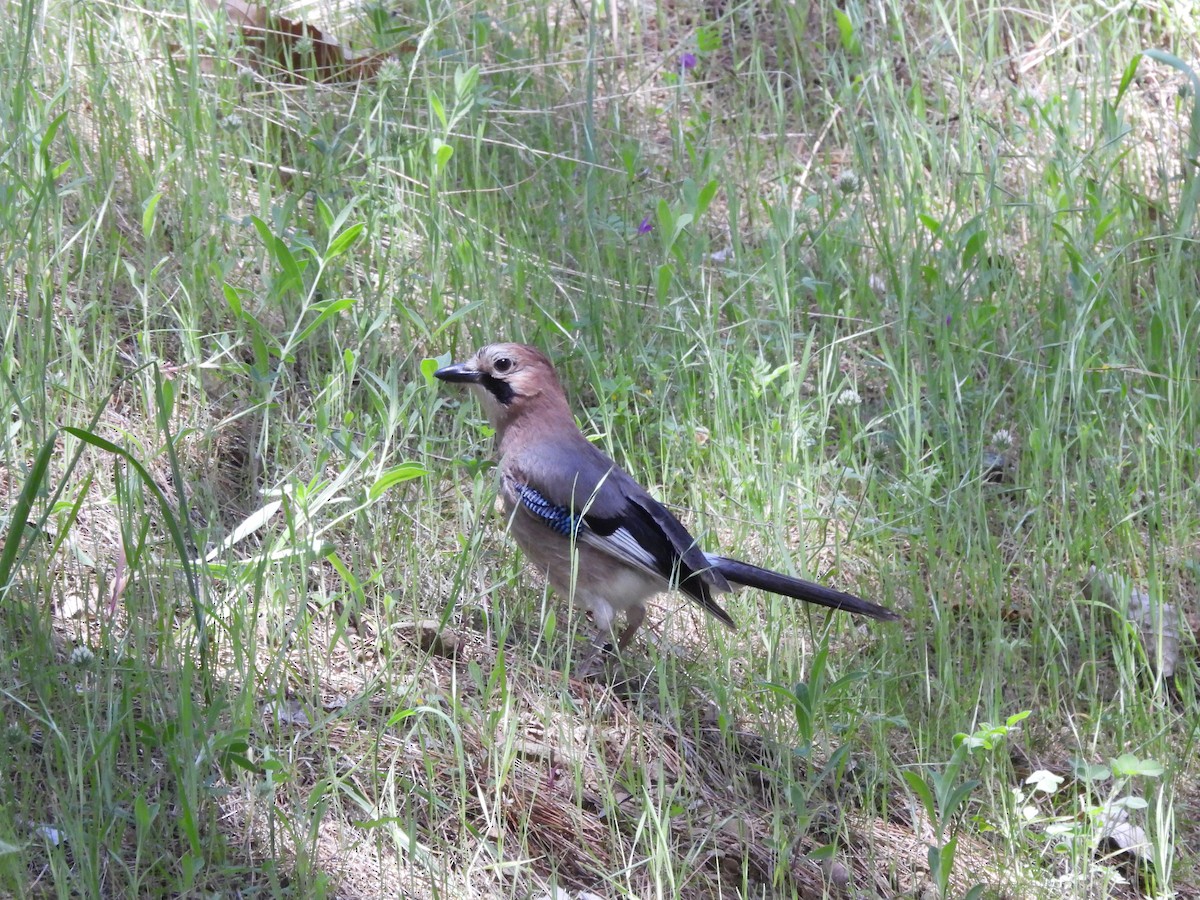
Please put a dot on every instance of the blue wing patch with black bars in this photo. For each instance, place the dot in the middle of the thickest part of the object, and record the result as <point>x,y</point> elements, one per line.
<point>556,518</point>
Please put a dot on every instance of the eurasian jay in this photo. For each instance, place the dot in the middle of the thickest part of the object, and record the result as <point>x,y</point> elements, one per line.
<point>595,532</point>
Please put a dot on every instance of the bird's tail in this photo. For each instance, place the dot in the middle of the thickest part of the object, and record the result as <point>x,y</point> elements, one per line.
<point>797,588</point>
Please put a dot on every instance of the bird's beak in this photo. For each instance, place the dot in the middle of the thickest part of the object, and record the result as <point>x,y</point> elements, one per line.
<point>459,372</point>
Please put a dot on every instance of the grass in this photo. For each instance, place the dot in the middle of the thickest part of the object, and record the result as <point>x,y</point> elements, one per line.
<point>900,297</point>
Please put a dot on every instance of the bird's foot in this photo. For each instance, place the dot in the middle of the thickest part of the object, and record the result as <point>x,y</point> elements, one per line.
<point>596,662</point>
<point>603,664</point>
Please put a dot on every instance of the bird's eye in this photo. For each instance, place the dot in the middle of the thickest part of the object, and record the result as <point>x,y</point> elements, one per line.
<point>502,365</point>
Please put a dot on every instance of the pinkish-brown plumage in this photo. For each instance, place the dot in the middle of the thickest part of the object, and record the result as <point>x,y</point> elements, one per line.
<point>600,537</point>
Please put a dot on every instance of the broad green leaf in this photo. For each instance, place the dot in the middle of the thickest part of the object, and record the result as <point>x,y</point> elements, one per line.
<point>264,230</point>
<point>1127,78</point>
<point>662,284</point>
<point>20,513</point>
<point>464,82</point>
<point>441,154</point>
<point>403,472</point>
<point>707,193</point>
<point>439,111</point>
<point>1086,771</point>
<point>957,796</point>
<point>431,364</point>
<point>1127,765</point>
<point>920,787</point>
<point>708,38</point>
<point>1045,781</point>
<point>975,244</point>
<point>246,527</point>
<point>845,26</point>
<point>343,241</point>
<point>324,213</point>
<point>327,309</point>
<point>292,268</point>
<point>51,132</point>
<point>148,212</point>
<point>666,219</point>
<point>682,221</point>
<point>233,298</point>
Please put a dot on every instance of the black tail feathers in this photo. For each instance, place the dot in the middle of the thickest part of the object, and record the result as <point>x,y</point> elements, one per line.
<point>797,588</point>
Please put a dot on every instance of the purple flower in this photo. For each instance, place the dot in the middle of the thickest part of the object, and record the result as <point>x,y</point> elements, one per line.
<point>646,227</point>
<point>687,61</point>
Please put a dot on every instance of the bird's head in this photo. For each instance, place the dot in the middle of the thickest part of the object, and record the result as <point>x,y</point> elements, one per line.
<point>510,380</point>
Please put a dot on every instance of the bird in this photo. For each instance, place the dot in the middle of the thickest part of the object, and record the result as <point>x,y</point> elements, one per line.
<point>598,536</point>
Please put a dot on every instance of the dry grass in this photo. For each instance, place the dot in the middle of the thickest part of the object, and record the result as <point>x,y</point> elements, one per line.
<point>390,709</point>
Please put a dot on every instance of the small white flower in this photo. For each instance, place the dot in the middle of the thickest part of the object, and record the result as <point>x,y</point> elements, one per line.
<point>849,397</point>
<point>1002,438</point>
<point>82,656</point>
<point>848,181</point>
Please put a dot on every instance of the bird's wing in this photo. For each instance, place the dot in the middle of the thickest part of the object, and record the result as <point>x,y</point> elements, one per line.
<point>584,493</point>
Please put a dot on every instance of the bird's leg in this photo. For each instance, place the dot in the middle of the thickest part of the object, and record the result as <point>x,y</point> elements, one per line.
<point>606,643</point>
<point>593,662</point>
<point>634,616</point>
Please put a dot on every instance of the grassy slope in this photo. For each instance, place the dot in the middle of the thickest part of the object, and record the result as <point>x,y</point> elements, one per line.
<point>933,247</point>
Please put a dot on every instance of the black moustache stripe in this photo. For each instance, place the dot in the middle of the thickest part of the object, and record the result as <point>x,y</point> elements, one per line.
<point>499,389</point>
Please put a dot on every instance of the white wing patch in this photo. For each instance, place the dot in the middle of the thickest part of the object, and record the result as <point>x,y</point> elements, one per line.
<point>622,544</point>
